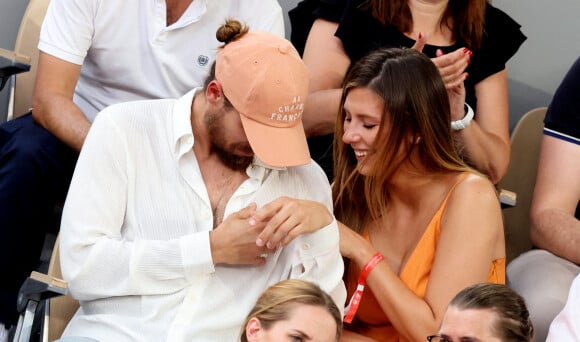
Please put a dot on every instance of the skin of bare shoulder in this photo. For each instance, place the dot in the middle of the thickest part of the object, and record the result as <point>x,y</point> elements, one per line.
<point>476,199</point>
<point>471,238</point>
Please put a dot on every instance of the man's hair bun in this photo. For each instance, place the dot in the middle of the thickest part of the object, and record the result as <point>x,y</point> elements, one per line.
<point>231,31</point>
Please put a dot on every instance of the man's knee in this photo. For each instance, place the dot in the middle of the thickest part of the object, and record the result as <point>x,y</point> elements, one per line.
<point>543,280</point>
<point>25,145</point>
<point>22,141</point>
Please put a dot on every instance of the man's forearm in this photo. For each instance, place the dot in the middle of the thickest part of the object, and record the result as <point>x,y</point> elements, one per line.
<point>63,119</point>
<point>557,232</point>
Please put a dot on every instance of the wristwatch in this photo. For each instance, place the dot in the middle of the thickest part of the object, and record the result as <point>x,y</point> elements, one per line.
<point>458,125</point>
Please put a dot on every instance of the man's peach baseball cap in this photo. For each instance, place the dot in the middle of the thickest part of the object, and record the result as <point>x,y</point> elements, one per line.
<point>264,78</point>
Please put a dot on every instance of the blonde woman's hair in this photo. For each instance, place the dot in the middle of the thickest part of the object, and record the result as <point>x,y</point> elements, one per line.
<point>276,303</point>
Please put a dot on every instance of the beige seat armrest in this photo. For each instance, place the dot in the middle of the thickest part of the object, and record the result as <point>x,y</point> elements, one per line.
<point>52,282</point>
<point>14,56</point>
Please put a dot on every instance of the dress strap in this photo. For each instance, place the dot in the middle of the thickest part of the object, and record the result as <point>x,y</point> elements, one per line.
<point>459,180</point>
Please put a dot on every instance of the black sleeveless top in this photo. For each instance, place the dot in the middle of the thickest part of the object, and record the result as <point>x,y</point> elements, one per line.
<point>362,33</point>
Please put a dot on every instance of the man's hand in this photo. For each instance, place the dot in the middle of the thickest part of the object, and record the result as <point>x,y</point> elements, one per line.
<point>234,240</point>
<point>286,218</point>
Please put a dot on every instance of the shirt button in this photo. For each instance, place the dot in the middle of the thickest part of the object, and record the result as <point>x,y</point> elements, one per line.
<point>306,246</point>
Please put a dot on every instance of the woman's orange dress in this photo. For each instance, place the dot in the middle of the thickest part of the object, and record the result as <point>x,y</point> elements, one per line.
<point>370,319</point>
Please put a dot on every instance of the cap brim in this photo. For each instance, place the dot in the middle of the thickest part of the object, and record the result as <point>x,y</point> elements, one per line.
<point>277,146</point>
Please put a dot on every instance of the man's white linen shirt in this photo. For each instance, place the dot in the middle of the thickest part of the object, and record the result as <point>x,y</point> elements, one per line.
<point>134,239</point>
<point>128,53</point>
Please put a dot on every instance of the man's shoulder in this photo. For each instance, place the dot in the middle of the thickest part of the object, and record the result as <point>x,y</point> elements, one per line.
<point>130,112</point>
<point>262,5</point>
<point>563,115</point>
<point>311,171</point>
<point>255,12</point>
<point>128,107</point>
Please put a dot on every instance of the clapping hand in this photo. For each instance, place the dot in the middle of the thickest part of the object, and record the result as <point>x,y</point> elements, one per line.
<point>452,67</point>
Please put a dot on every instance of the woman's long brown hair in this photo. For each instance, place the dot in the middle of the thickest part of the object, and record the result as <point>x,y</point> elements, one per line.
<point>416,105</point>
<point>465,18</point>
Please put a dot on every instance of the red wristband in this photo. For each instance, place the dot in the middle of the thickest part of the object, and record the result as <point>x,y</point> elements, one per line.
<point>352,306</point>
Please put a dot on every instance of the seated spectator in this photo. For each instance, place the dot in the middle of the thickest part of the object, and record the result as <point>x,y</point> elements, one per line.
<point>417,225</point>
<point>566,325</point>
<point>486,312</point>
<point>293,310</point>
<point>469,41</point>
<point>162,248</point>
<point>93,54</point>
<point>543,275</point>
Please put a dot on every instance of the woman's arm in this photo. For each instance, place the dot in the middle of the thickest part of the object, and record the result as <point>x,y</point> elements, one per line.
<point>350,336</point>
<point>327,64</point>
<point>471,236</point>
<point>486,141</point>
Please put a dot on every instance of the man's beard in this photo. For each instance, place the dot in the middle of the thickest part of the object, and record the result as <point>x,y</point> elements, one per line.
<point>232,161</point>
<point>213,121</point>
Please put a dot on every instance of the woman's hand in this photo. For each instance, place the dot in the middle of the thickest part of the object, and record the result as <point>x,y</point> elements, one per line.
<point>451,66</point>
<point>286,218</point>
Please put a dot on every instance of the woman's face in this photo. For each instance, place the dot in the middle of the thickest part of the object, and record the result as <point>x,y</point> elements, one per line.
<point>470,325</point>
<point>305,323</point>
<point>363,109</point>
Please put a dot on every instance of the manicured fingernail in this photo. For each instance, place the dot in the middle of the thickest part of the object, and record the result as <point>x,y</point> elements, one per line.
<point>259,242</point>
<point>252,222</point>
<point>269,245</point>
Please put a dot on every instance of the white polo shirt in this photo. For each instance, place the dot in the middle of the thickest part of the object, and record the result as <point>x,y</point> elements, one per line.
<point>127,53</point>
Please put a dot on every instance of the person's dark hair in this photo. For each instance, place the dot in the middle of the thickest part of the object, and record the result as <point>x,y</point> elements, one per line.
<point>416,108</point>
<point>210,77</point>
<point>230,31</point>
<point>276,303</point>
<point>513,322</point>
<point>465,19</point>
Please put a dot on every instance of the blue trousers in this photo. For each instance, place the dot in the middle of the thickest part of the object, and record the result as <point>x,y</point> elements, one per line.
<point>35,172</point>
